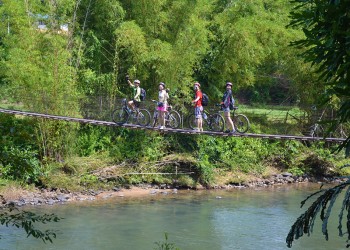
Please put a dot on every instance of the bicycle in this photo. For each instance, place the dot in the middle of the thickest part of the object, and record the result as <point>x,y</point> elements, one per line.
<point>342,130</point>
<point>214,122</point>
<point>172,117</point>
<point>124,114</point>
<point>316,130</point>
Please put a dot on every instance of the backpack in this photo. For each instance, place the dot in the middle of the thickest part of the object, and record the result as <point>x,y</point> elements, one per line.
<point>232,102</point>
<point>143,95</point>
<point>205,99</point>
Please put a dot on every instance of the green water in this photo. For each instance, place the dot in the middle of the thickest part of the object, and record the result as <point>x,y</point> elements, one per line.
<point>235,219</point>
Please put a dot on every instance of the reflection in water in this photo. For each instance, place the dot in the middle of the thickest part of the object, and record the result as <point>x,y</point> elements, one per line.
<point>235,219</point>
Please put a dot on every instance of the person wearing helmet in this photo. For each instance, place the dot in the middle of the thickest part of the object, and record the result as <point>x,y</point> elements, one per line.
<point>198,108</point>
<point>227,104</point>
<point>135,102</point>
<point>162,104</point>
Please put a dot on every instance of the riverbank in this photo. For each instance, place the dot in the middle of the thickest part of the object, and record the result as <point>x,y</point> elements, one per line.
<point>19,197</point>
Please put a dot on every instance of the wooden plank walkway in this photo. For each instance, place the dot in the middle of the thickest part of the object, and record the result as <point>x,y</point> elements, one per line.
<point>169,130</point>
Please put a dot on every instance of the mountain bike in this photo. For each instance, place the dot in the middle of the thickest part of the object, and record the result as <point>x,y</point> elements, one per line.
<point>316,130</point>
<point>172,117</point>
<point>126,115</point>
<point>214,122</point>
<point>342,130</point>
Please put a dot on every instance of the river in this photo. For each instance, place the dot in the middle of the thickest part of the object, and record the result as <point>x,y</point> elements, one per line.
<point>257,218</point>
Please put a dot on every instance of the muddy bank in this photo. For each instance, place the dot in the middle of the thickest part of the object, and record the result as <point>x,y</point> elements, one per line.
<point>50,197</point>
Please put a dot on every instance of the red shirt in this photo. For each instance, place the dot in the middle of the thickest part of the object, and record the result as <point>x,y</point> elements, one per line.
<point>199,102</point>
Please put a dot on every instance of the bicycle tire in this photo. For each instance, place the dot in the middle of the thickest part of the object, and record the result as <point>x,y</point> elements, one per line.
<point>341,131</point>
<point>241,123</point>
<point>120,116</point>
<point>316,130</point>
<point>192,121</point>
<point>216,123</point>
<point>173,119</point>
<point>143,117</point>
<point>155,119</point>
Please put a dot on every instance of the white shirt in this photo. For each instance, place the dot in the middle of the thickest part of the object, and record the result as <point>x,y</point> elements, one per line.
<point>163,96</point>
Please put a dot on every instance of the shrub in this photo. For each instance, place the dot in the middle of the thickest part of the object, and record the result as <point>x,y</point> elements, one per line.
<point>20,164</point>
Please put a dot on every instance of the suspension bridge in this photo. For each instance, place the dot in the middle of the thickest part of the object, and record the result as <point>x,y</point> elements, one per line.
<point>169,130</point>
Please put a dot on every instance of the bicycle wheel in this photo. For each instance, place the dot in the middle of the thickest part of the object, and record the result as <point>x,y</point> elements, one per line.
<point>120,116</point>
<point>342,131</point>
<point>345,130</point>
<point>216,123</point>
<point>241,123</point>
<point>192,121</point>
<point>316,130</point>
<point>155,119</point>
<point>173,119</point>
<point>143,117</point>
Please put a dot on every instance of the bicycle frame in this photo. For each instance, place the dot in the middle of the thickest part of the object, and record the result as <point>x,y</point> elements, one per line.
<point>169,116</point>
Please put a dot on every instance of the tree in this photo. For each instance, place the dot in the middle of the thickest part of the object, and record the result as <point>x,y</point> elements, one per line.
<point>326,25</point>
<point>37,71</point>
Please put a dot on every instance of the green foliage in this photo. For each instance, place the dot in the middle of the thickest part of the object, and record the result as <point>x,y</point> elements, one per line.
<point>323,205</point>
<point>20,164</point>
<point>177,42</point>
<point>326,43</point>
<point>205,170</point>
<point>88,180</point>
<point>165,245</point>
<point>93,140</point>
<point>10,216</point>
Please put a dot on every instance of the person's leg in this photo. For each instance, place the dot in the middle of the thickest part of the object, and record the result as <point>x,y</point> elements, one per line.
<point>229,122</point>
<point>131,104</point>
<point>163,118</point>
<point>201,118</point>
<point>198,116</point>
<point>200,124</point>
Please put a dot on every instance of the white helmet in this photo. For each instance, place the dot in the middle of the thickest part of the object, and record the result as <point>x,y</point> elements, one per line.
<point>137,81</point>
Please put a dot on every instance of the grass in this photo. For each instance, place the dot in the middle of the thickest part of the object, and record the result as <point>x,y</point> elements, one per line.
<point>273,113</point>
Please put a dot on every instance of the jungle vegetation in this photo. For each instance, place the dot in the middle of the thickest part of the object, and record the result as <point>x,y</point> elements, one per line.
<point>58,56</point>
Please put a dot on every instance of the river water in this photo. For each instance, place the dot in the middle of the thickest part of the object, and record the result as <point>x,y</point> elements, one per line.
<point>236,219</point>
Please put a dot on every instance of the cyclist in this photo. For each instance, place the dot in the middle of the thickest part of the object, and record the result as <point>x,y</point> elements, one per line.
<point>135,102</point>
<point>227,104</point>
<point>162,104</point>
<point>198,108</point>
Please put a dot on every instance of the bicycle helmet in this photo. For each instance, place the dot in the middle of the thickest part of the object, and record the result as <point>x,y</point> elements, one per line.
<point>162,83</point>
<point>137,81</point>
<point>197,83</point>
<point>229,83</point>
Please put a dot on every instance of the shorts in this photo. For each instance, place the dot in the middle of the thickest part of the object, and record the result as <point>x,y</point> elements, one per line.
<point>198,112</point>
<point>136,103</point>
<point>226,109</point>
<point>163,108</point>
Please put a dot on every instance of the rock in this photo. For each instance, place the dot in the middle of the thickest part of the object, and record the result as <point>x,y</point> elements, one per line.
<point>50,202</point>
<point>286,174</point>
<point>62,197</point>
<point>153,191</point>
